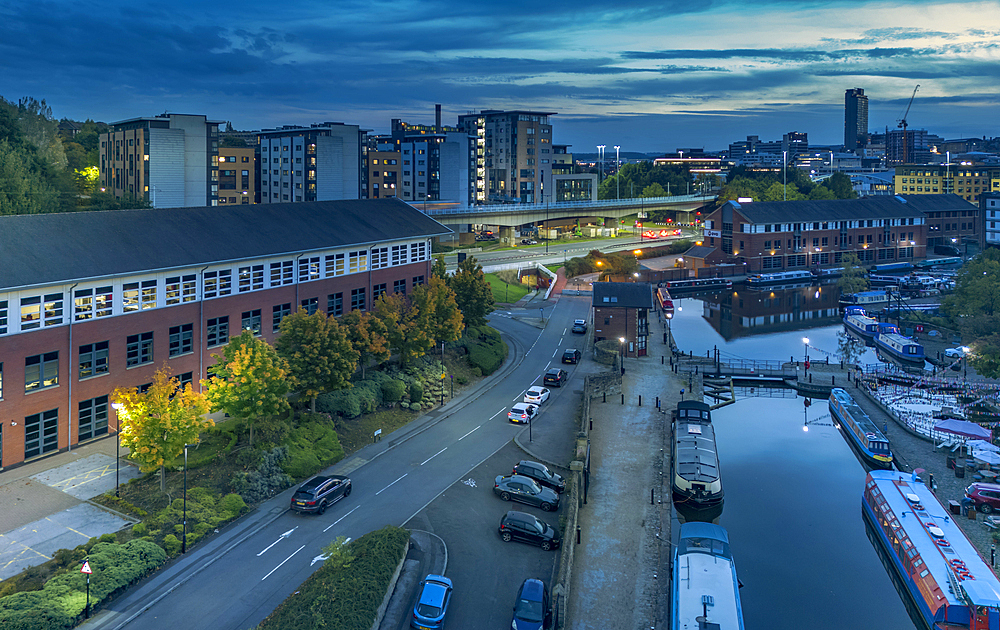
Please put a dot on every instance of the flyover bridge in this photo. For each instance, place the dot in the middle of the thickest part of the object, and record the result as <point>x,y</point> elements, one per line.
<point>509,217</point>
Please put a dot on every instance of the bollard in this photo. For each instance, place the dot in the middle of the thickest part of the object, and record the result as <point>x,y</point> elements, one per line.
<point>810,378</point>
<point>591,424</point>
<point>623,398</point>
<point>657,402</point>
<point>664,337</point>
<point>661,360</point>
<point>993,555</point>
<point>651,500</point>
<point>833,380</point>
<point>640,400</point>
<point>605,397</point>
<point>578,534</point>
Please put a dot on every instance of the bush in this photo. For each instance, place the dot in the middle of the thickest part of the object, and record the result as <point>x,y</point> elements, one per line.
<point>416,392</point>
<point>232,504</point>
<point>312,445</point>
<point>415,406</point>
<point>262,483</point>
<point>393,390</point>
<point>344,402</point>
<point>486,349</point>
<point>139,530</point>
<point>171,544</point>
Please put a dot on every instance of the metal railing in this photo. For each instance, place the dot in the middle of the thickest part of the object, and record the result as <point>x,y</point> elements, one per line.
<point>563,205</point>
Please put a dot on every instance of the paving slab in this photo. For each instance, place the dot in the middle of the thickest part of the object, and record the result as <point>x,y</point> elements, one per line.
<point>25,501</point>
<point>88,477</point>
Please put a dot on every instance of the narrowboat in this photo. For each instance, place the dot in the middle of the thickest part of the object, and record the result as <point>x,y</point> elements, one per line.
<point>694,286</point>
<point>666,303</point>
<point>948,585</point>
<point>706,590</point>
<point>856,320</point>
<point>899,347</point>
<point>781,276</point>
<point>696,477</point>
<point>861,430</point>
<point>863,298</point>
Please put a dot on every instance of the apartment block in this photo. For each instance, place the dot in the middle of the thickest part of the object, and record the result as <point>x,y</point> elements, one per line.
<point>323,162</point>
<point>170,160</point>
<point>513,155</point>
<point>237,175</point>
<point>855,119</point>
<point>989,210</point>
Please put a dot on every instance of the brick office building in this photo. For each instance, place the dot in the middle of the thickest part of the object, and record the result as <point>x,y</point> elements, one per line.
<point>621,311</point>
<point>114,296</point>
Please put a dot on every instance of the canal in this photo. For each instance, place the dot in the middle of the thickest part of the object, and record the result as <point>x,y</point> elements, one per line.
<point>793,496</point>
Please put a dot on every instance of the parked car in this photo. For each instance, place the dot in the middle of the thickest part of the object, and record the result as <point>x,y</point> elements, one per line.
<point>985,496</point>
<point>531,606</point>
<point>956,352</point>
<point>528,241</point>
<point>527,528</point>
<point>525,490</point>
<point>541,474</point>
<point>571,356</point>
<point>432,603</point>
<point>320,492</point>
<point>555,377</point>
<point>536,395</point>
<point>522,412</point>
<point>580,326</point>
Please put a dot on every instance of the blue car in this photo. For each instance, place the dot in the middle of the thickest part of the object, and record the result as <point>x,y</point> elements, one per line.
<point>432,604</point>
<point>531,608</point>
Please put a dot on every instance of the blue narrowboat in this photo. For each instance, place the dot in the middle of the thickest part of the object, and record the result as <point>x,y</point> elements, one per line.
<point>861,430</point>
<point>856,320</point>
<point>900,347</point>
<point>706,591</point>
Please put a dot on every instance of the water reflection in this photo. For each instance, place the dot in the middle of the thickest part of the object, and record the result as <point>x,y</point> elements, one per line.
<point>772,309</point>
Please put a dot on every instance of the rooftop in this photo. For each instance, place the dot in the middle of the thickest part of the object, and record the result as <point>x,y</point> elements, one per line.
<point>882,207</point>
<point>623,294</point>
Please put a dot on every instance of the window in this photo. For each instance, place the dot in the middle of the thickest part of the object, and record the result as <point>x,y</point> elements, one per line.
<point>41,433</point>
<point>139,349</point>
<point>380,257</point>
<point>93,359</point>
<point>184,380</point>
<point>281,273</point>
<point>148,295</point>
<point>3,317</point>
<point>308,269</point>
<point>358,299</point>
<point>335,304</point>
<point>218,283</point>
<point>418,252</point>
<point>378,290</point>
<point>31,313</point>
<point>217,331</point>
<point>398,255</point>
<point>310,305</point>
<point>399,286</point>
<point>335,265</point>
<point>181,339</point>
<point>280,312</point>
<point>93,418</point>
<point>52,309</point>
<point>357,262</point>
<point>41,371</point>
<point>251,321</point>
<point>173,290</point>
<point>1,381</point>
<point>189,288</point>
<point>130,297</point>
<point>418,280</point>
<point>251,278</point>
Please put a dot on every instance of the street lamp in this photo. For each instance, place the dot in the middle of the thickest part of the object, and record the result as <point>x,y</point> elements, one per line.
<point>184,538</point>
<point>618,190</point>
<point>600,172</point>
<point>784,173</point>
<point>621,347</point>
<point>118,441</point>
<point>805,340</point>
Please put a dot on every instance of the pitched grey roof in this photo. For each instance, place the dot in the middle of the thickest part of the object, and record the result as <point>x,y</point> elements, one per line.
<point>41,249</point>
<point>876,207</point>
<point>623,294</point>
<point>699,251</point>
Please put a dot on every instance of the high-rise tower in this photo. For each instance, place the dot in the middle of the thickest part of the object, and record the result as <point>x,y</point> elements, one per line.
<point>855,119</point>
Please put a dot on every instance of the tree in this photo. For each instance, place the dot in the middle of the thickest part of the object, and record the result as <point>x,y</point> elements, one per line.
<point>436,302</point>
<point>232,142</point>
<point>853,278</point>
<point>439,269</point>
<point>407,330</point>
<point>248,381</point>
<point>472,293</point>
<point>368,335</point>
<point>841,187</point>
<point>157,423</point>
<point>654,190</point>
<point>320,358</point>
<point>985,356</point>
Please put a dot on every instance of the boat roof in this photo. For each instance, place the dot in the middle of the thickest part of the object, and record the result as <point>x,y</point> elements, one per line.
<point>898,338</point>
<point>696,457</point>
<point>706,573</point>
<point>697,529</point>
<point>864,423</point>
<point>921,520</point>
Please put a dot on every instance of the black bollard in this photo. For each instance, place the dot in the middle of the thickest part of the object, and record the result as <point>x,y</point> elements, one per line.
<point>623,399</point>
<point>591,425</point>
<point>640,400</point>
<point>657,402</point>
<point>833,380</point>
<point>993,554</point>
<point>661,359</point>
<point>664,337</point>
<point>605,397</point>
<point>810,378</point>
<point>651,499</point>
<point>578,534</point>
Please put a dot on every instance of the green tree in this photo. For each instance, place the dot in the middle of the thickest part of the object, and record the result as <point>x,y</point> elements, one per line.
<point>654,190</point>
<point>985,356</point>
<point>24,190</point>
<point>841,187</point>
<point>157,423</point>
<point>821,192</point>
<point>439,269</point>
<point>320,358</point>
<point>437,302</point>
<point>853,278</point>
<point>248,381</point>
<point>233,142</point>
<point>407,330</point>
<point>368,335</point>
<point>99,200</point>
<point>472,293</point>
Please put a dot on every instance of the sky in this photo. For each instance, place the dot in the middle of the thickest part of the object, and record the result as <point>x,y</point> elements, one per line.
<point>647,76</point>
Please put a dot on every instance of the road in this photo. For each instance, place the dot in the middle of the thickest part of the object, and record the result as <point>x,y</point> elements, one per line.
<point>236,582</point>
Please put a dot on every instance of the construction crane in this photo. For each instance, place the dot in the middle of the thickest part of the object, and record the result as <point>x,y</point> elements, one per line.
<point>902,124</point>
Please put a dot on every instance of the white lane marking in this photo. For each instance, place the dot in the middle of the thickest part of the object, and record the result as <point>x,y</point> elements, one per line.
<point>496,414</point>
<point>564,331</point>
<point>520,396</point>
<point>324,556</point>
<point>433,456</point>
<point>554,353</point>
<point>280,538</point>
<point>468,434</point>
<point>282,562</point>
<point>341,518</point>
<point>384,489</point>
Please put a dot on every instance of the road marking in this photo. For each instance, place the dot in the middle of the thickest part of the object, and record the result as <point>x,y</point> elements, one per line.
<point>433,456</point>
<point>470,482</point>
<point>520,396</point>
<point>280,538</point>
<point>564,331</point>
<point>496,414</point>
<point>341,518</point>
<point>283,562</point>
<point>387,487</point>
<point>554,352</point>
<point>468,434</point>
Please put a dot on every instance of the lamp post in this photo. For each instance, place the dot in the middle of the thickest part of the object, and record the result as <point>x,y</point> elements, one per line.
<point>600,171</point>
<point>118,442</point>
<point>784,174</point>
<point>185,527</point>
<point>805,341</point>
<point>621,347</point>
<point>618,188</point>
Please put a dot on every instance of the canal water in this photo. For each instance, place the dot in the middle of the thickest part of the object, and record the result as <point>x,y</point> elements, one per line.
<point>793,497</point>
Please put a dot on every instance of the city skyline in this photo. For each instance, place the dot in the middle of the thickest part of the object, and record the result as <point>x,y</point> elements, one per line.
<point>685,76</point>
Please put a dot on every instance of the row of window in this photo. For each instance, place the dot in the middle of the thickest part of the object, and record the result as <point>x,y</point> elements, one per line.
<point>753,228</point>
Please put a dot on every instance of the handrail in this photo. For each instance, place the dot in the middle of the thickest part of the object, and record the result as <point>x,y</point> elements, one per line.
<point>560,205</point>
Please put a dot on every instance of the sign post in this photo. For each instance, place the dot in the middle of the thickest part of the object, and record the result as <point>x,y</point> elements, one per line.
<point>87,570</point>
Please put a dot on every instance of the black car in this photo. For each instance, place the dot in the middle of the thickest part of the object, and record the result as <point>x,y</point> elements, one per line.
<point>318,493</point>
<point>555,377</point>
<point>541,474</point>
<point>525,490</point>
<point>571,356</point>
<point>531,606</point>
<point>527,528</point>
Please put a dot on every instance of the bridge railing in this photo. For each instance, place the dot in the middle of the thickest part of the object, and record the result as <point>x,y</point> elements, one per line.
<point>739,367</point>
<point>637,202</point>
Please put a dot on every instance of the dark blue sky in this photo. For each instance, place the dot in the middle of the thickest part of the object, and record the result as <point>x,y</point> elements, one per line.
<point>649,76</point>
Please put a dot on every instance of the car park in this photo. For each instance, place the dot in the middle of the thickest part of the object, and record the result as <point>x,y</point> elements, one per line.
<point>571,356</point>
<point>525,490</point>
<point>536,395</point>
<point>531,606</point>
<point>985,497</point>
<point>432,603</point>
<point>580,326</point>
<point>522,412</point>
<point>541,474</point>
<point>555,377</point>
<point>525,527</point>
<point>320,492</point>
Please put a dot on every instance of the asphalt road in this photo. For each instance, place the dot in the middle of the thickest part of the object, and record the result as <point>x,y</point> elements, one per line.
<point>235,582</point>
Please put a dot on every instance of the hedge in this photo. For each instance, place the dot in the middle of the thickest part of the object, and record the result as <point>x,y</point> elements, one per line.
<point>486,349</point>
<point>345,597</point>
<point>312,446</point>
<point>61,602</point>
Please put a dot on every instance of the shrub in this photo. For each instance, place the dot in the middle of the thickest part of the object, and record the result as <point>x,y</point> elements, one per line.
<point>268,479</point>
<point>171,544</point>
<point>486,349</point>
<point>415,406</point>
<point>344,402</point>
<point>232,504</point>
<point>393,390</point>
<point>461,380</point>
<point>311,446</point>
<point>139,530</point>
<point>416,391</point>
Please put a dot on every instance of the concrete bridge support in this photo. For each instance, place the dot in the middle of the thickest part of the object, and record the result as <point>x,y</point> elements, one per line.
<point>508,236</point>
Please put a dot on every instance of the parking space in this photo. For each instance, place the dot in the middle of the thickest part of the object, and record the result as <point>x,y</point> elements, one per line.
<point>485,570</point>
<point>88,477</point>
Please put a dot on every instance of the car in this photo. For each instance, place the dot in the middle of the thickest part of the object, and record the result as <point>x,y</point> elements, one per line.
<point>528,241</point>
<point>527,528</point>
<point>320,492</point>
<point>985,496</point>
<point>956,352</point>
<point>536,395</point>
<point>432,603</point>
<point>555,377</point>
<point>541,474</point>
<point>580,326</point>
<point>531,606</point>
<point>525,490</point>
<point>571,356</point>
<point>522,412</point>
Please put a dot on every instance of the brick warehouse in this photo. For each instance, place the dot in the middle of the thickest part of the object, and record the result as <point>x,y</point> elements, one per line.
<point>97,300</point>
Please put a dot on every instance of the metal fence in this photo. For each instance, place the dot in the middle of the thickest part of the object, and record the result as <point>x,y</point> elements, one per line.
<point>640,202</point>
